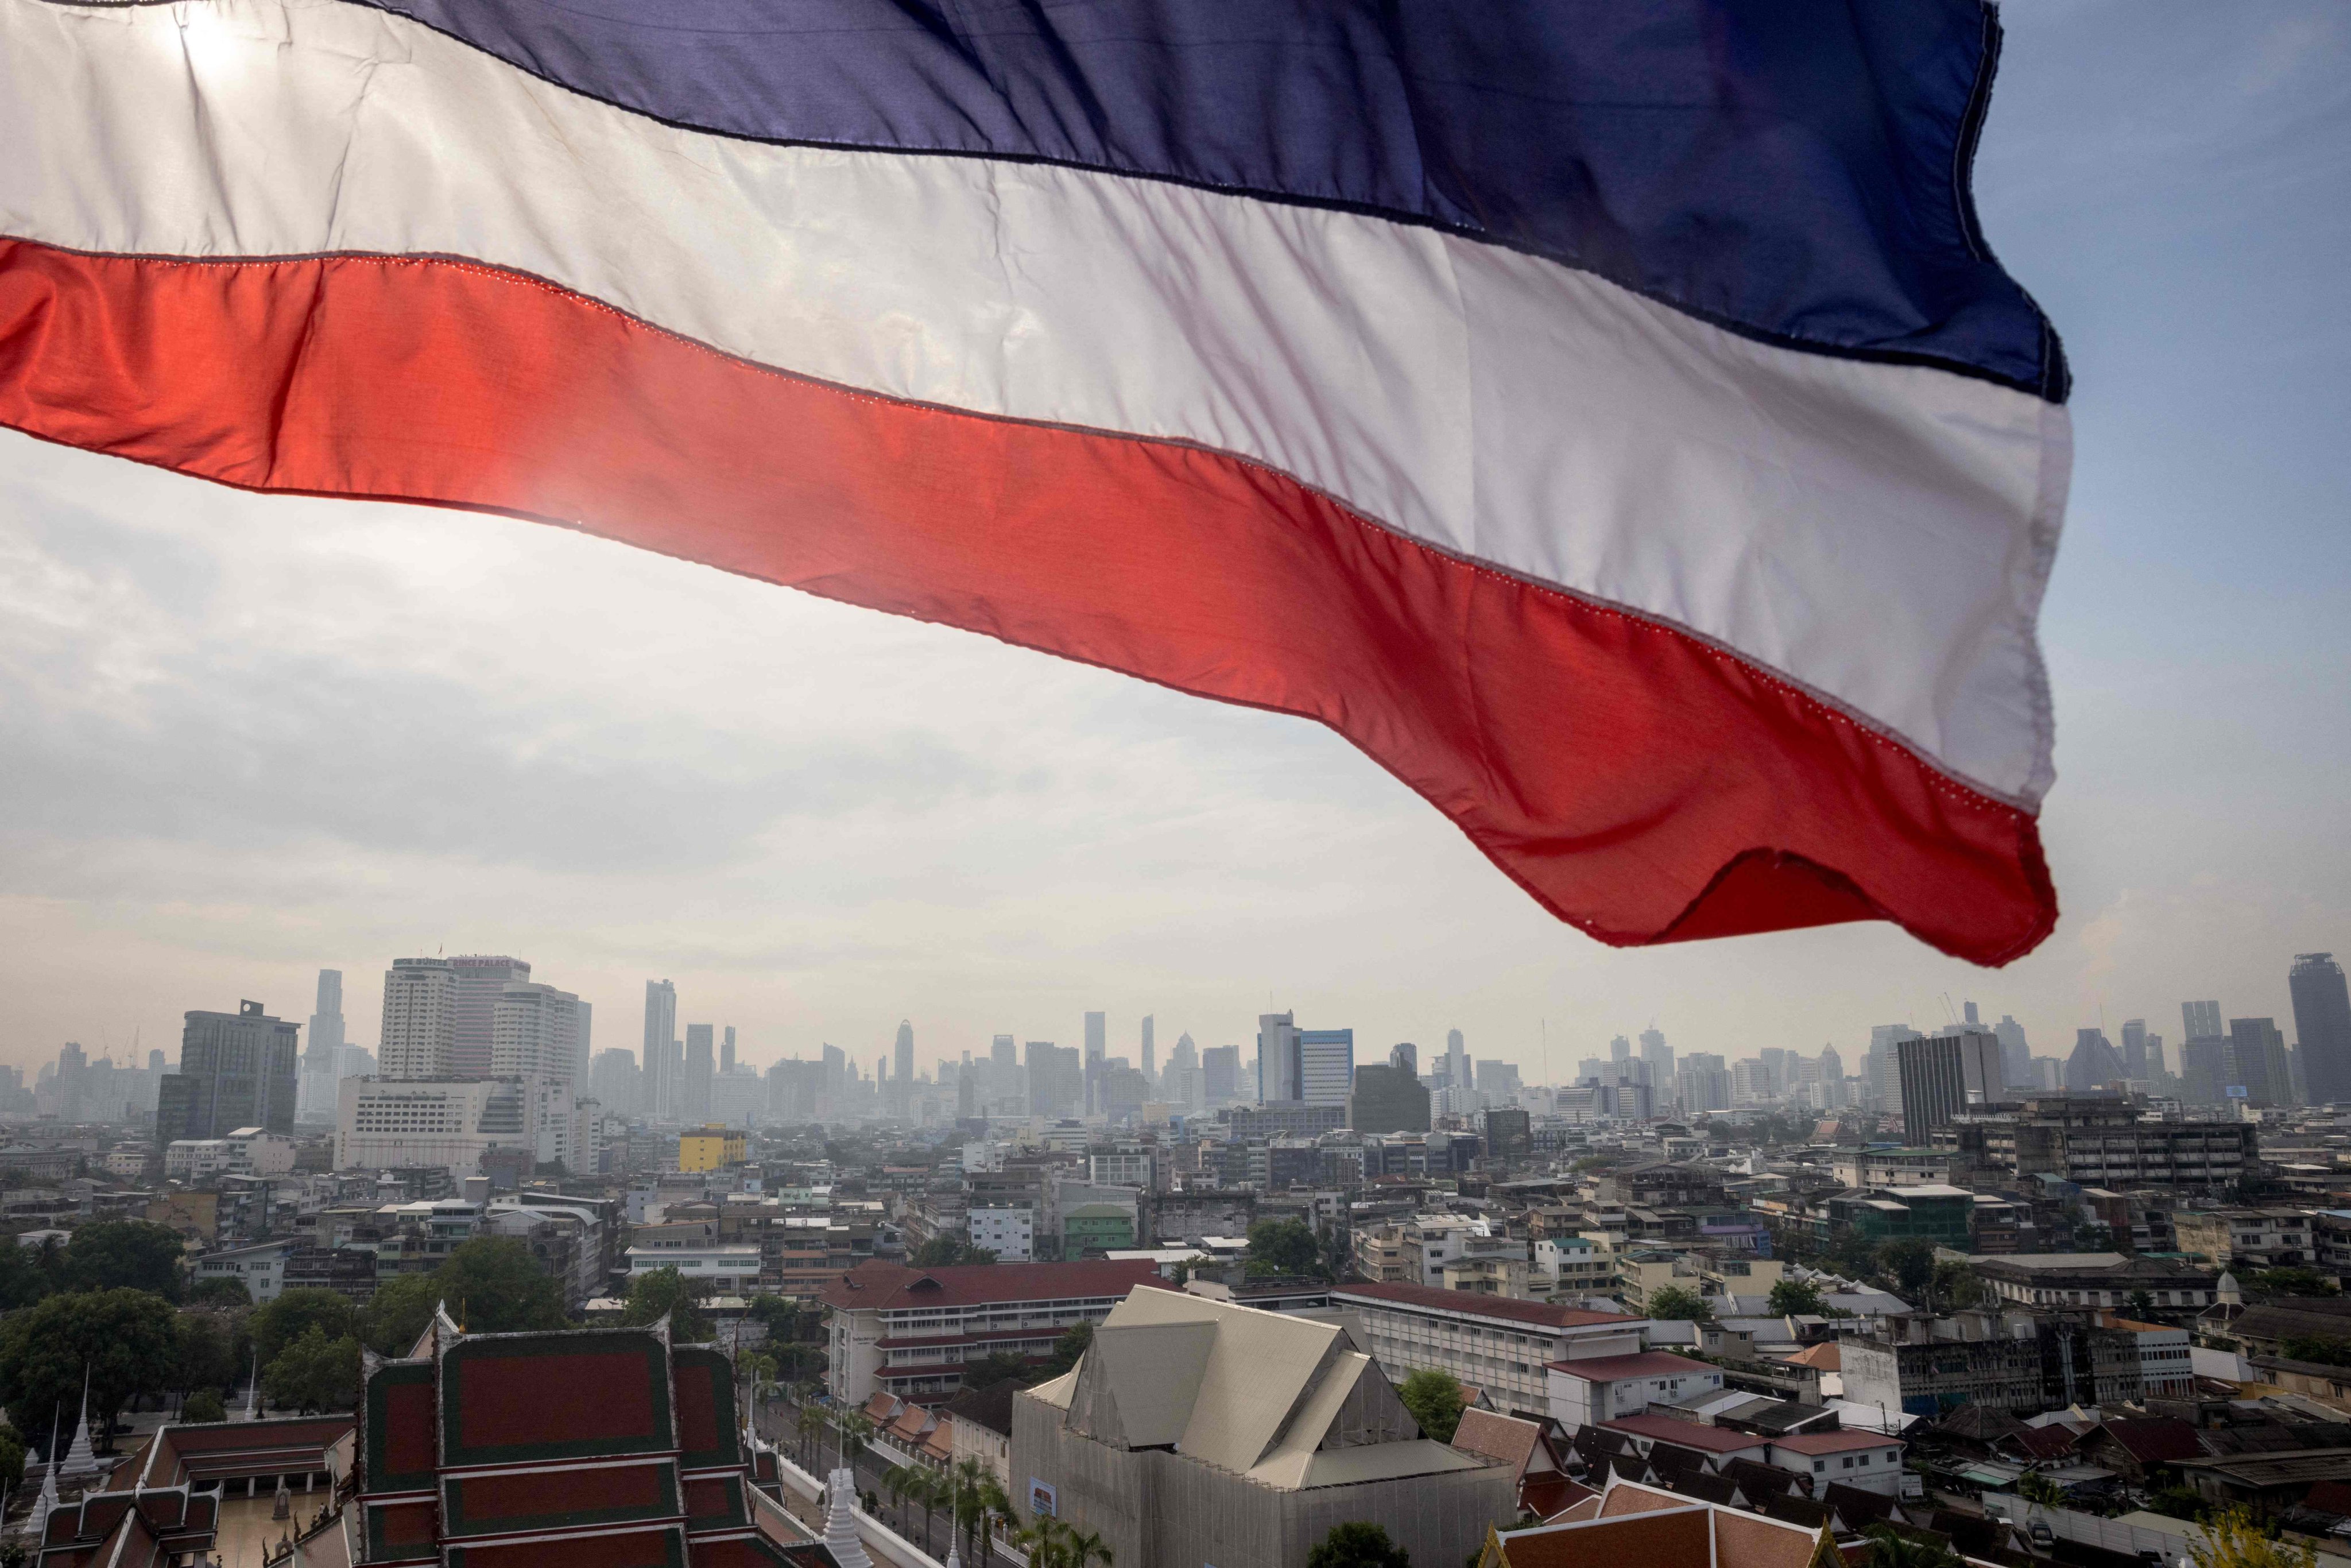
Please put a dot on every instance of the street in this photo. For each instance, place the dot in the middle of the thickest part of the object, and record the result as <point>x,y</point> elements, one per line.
<point>779,1423</point>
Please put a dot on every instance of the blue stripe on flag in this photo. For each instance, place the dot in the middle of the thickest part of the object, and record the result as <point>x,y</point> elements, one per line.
<point>1795,169</point>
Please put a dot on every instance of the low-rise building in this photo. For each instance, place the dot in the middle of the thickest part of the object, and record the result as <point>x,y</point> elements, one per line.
<point>1892,1167</point>
<point>1943,1215</point>
<point>2101,1141</point>
<point>1590,1390</point>
<point>2109,1279</point>
<point>1486,1342</point>
<point>1010,1233</point>
<point>727,1270</point>
<point>712,1148</point>
<point>1576,1266</point>
<point>260,1269</point>
<point>909,1331</point>
<point>2243,1239</point>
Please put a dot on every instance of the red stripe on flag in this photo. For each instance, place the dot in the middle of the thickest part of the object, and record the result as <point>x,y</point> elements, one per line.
<point>1640,783</point>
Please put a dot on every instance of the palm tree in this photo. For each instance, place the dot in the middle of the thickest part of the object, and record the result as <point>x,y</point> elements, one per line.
<point>995,1509</point>
<point>935,1492</point>
<point>811,1425</point>
<point>901,1482</point>
<point>1086,1550</point>
<point>1042,1541</point>
<point>964,1503</point>
<point>1889,1549</point>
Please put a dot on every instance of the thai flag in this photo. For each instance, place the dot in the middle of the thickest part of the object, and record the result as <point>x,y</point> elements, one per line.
<point>1606,414</point>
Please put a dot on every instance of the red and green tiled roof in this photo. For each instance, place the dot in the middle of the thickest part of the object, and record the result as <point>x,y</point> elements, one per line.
<point>747,1552</point>
<point>705,1408</point>
<point>590,1393</point>
<point>396,1431</point>
<point>715,1502</point>
<point>660,1548</point>
<point>401,1531</point>
<point>550,1500</point>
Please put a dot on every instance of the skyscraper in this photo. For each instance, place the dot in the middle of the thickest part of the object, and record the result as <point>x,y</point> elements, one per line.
<point>2322,1025</point>
<point>1326,1065</point>
<point>1457,1060</point>
<point>1003,1059</point>
<point>420,1020</point>
<point>1277,1058</point>
<point>692,1103</point>
<point>236,1069</point>
<point>2015,1051</point>
<point>2095,1063</point>
<point>1620,1049</point>
<point>2202,1021</point>
<point>322,1053</point>
<point>2257,1055</point>
<point>1150,1051</point>
<point>2134,1048</point>
<point>660,1087</point>
<point>1390,1097</point>
<point>535,1033</point>
<point>1942,1076</point>
<point>727,1050</point>
<point>481,979</point>
<point>1658,1055</point>
<point>1220,1075</point>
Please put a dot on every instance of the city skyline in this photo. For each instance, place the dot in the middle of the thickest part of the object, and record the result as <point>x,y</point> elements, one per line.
<point>252,737</point>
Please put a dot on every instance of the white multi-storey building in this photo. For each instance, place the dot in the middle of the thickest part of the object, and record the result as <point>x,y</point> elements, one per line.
<point>1010,1233</point>
<point>910,1331</point>
<point>535,1033</point>
<point>1500,1345</point>
<point>420,1020</point>
<point>381,1124</point>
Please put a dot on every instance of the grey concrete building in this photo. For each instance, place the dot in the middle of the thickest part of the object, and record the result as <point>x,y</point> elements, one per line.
<point>1389,1097</point>
<point>236,1069</point>
<point>1198,1431</point>
<point>2322,1025</point>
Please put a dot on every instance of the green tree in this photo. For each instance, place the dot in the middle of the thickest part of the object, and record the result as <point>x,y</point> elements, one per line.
<point>2041,1490</point>
<point>203,1351</point>
<point>2142,1304</point>
<point>2324,1349</point>
<point>12,1459</point>
<point>219,1292</point>
<point>493,1285</point>
<point>1795,1298</point>
<point>779,1315</point>
<point>203,1405</point>
<point>661,1291</point>
<point>1890,1548</point>
<point>315,1373</point>
<point>2177,1502</point>
<point>1675,1304</point>
<point>295,1313</point>
<point>125,1340</point>
<point>2233,1538</point>
<point>990,1370</point>
<point>1434,1398</point>
<point>1909,1263</point>
<point>943,1251</point>
<point>1357,1545</point>
<point>1075,1343</point>
<point>2270,1283</point>
<point>1284,1247</point>
<point>24,1278</point>
<point>125,1254</point>
<point>1958,1285</point>
<point>399,1313</point>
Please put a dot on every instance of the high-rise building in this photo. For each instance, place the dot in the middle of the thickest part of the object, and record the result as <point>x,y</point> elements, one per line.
<point>482,978</point>
<point>322,1052</point>
<point>2322,1025</point>
<point>1326,1065</point>
<point>1457,1060</point>
<point>1220,1075</point>
<point>236,1069</point>
<point>2015,1051</point>
<point>420,1020</point>
<point>700,1062</point>
<point>1056,1078</point>
<point>1277,1058</point>
<point>535,1033</point>
<point>727,1050</point>
<point>902,1054</point>
<point>2258,1060</point>
<point>2205,1070</point>
<point>2201,1020</point>
<point>660,1088</point>
<point>1658,1055</point>
<point>1943,1075</point>
<point>1620,1049</point>
<point>2095,1063</point>
<point>1881,1068</point>
<point>2134,1048</point>
<point>616,1083</point>
<point>1150,1051</point>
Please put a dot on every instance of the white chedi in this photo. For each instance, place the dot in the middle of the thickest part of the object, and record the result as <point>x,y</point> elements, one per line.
<point>841,1520</point>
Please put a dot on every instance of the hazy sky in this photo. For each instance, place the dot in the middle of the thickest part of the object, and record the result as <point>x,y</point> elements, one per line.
<point>242,739</point>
